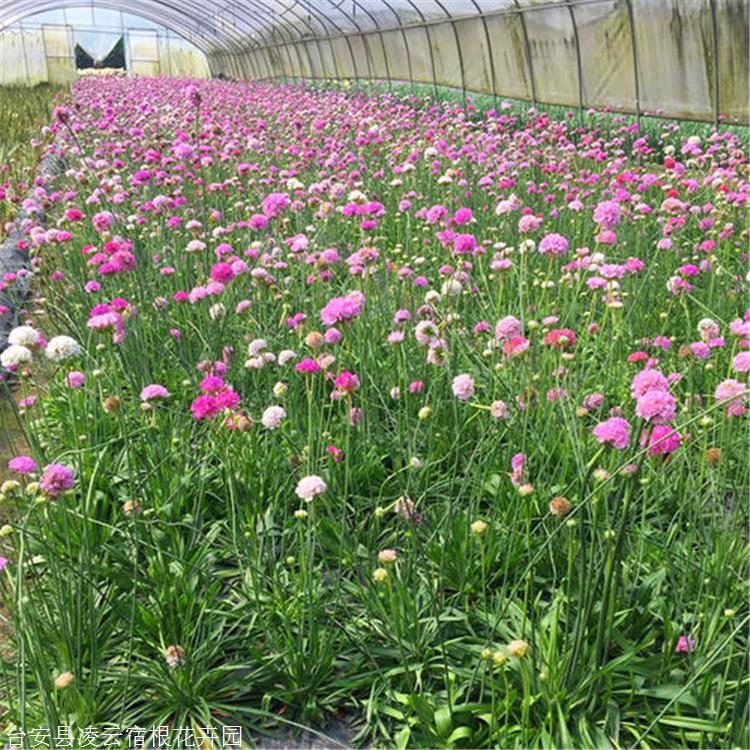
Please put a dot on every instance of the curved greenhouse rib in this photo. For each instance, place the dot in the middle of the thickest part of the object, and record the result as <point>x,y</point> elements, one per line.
<point>531,53</point>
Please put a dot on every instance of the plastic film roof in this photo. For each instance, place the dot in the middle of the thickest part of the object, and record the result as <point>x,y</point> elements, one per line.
<point>682,58</point>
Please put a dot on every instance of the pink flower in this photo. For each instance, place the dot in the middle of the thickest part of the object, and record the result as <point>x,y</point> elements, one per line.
<point>647,380</point>
<point>345,383</point>
<point>498,410</point>
<point>154,391</point>
<point>56,478</point>
<point>22,465</point>
<point>555,244</point>
<point>614,431</point>
<point>75,379</point>
<point>274,204</point>
<point>741,362</point>
<point>662,440</point>
<point>342,309</point>
<point>205,406</point>
<point>463,387</point>
<point>310,487</point>
<point>222,272</point>
<point>593,400</point>
<point>507,327</point>
<point>528,223</point>
<point>684,645</point>
<point>211,383</point>
<point>336,453</point>
<point>518,465</point>
<point>607,214</point>
<point>700,350</point>
<point>731,391</point>
<point>656,406</point>
<point>560,338</point>
<point>515,345</point>
<point>308,365</point>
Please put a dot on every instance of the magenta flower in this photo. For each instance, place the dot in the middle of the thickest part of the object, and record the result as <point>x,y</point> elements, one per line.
<point>554,244</point>
<point>342,309</point>
<point>308,364</point>
<point>656,406</point>
<point>22,465</point>
<point>661,439</point>
<point>614,431</point>
<point>647,380</point>
<point>345,384</point>
<point>684,645</point>
<point>56,478</point>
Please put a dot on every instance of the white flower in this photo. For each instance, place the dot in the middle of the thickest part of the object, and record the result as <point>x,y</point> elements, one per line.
<point>15,355</point>
<point>310,487</point>
<point>272,417</point>
<point>451,287</point>
<point>217,311</point>
<point>24,336</point>
<point>62,347</point>
<point>256,346</point>
<point>286,356</point>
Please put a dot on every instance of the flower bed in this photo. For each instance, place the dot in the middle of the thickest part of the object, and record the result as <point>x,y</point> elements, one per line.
<point>359,406</point>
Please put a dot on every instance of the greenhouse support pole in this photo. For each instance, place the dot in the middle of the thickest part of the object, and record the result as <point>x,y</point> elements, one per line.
<point>529,63</point>
<point>460,54</point>
<point>634,49</point>
<point>429,45</point>
<point>489,51</point>
<point>379,32</point>
<point>311,9</point>
<point>25,57</point>
<point>406,44</point>
<point>715,47</point>
<point>579,65</point>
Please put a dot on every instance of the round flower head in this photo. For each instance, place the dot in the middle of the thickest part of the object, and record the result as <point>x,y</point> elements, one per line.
<point>75,379</point>
<point>22,465</point>
<point>14,356</point>
<point>24,336</point>
<point>731,391</point>
<point>661,439</point>
<point>554,244</point>
<point>613,431</point>
<point>518,648</point>
<point>507,327</point>
<point>498,410</point>
<point>463,387</point>
<point>154,391</point>
<point>647,380</point>
<point>560,338</point>
<point>56,478</point>
<point>310,487</point>
<point>272,417</point>
<point>656,406</point>
<point>741,362</point>
<point>60,348</point>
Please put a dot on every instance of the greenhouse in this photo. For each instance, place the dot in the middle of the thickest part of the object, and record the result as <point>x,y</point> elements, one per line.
<point>374,373</point>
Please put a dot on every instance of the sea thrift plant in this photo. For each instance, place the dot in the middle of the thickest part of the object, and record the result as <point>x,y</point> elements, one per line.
<point>349,404</point>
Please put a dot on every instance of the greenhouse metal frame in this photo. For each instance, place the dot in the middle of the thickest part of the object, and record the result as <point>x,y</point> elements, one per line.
<point>677,58</point>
